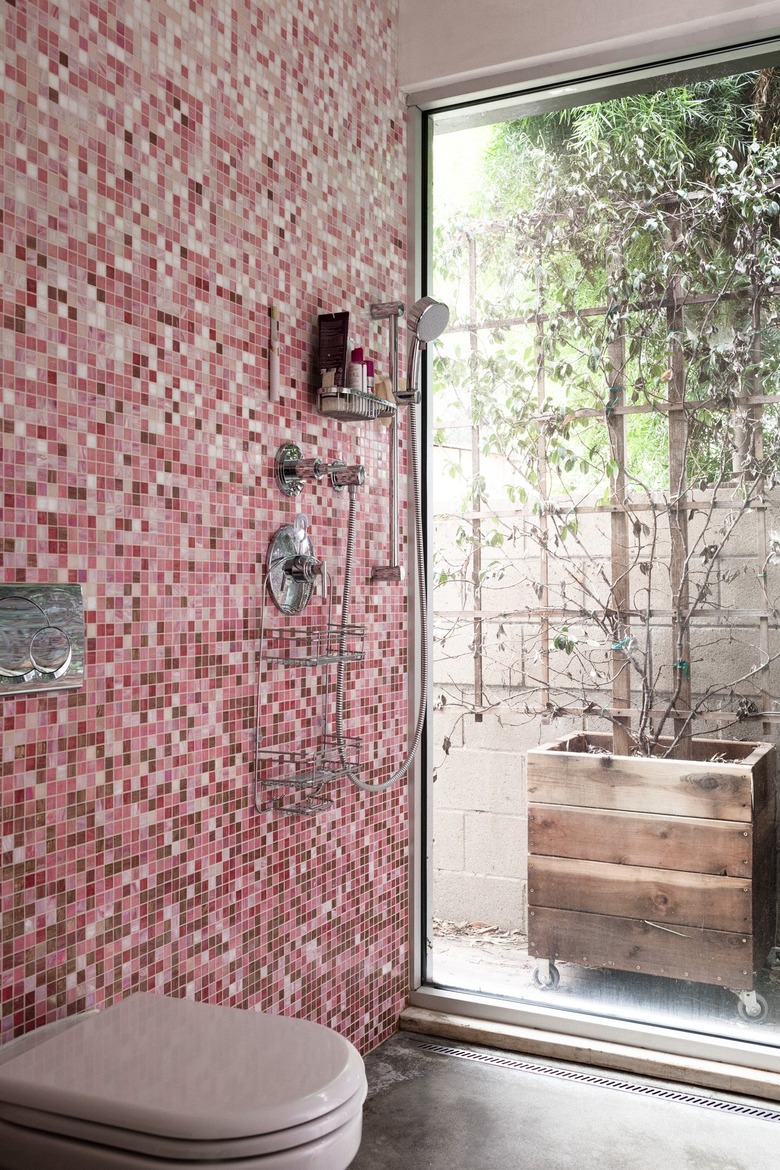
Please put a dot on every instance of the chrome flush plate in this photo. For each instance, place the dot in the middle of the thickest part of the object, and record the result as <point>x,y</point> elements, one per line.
<point>41,638</point>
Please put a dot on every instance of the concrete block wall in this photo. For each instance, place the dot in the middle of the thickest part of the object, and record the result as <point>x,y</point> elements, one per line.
<point>480,828</point>
<point>480,814</point>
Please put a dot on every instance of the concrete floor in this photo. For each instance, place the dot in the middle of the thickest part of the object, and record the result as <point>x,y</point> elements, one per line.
<point>432,1111</point>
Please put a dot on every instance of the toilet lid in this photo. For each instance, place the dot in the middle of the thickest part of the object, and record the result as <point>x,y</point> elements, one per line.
<point>187,1071</point>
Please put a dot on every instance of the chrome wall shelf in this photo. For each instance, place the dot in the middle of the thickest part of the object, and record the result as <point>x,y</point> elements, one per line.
<point>317,646</point>
<point>293,778</point>
<point>353,405</point>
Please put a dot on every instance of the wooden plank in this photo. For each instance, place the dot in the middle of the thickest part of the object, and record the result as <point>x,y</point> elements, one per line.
<point>765,879</point>
<point>628,838</point>
<point>719,1076</point>
<point>746,752</point>
<point>662,619</point>
<point>637,784</point>
<point>619,550</point>
<point>492,323</point>
<point>543,488</point>
<point>764,767</point>
<point>705,747</point>
<point>765,887</point>
<point>678,434</point>
<point>623,944</point>
<point>690,406</point>
<point>643,503</point>
<point>476,497</point>
<point>661,896</point>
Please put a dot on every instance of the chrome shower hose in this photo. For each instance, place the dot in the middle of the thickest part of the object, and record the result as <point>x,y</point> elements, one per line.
<point>421,591</point>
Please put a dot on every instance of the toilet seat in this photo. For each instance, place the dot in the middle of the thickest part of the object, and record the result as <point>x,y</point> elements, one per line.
<point>155,1079</point>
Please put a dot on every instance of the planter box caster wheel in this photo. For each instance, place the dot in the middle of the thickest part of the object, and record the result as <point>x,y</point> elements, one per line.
<point>546,975</point>
<point>751,1006</point>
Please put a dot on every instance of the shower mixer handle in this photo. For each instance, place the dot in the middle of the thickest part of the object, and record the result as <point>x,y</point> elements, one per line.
<point>342,476</point>
<point>310,469</point>
<point>293,471</point>
<point>305,568</point>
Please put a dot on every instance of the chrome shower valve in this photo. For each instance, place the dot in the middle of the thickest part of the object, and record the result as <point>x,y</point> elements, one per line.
<point>293,471</point>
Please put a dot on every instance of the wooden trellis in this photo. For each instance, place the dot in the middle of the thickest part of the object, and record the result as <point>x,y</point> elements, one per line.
<point>680,411</point>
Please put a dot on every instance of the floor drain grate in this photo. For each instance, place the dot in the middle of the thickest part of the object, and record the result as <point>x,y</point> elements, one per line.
<point>736,1108</point>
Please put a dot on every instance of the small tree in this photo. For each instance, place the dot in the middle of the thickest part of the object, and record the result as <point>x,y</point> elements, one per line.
<point>629,262</point>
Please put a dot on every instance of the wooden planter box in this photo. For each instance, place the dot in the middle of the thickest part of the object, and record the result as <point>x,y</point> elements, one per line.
<point>655,865</point>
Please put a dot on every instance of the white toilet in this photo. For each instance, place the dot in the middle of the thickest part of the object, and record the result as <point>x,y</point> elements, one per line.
<point>154,1084</point>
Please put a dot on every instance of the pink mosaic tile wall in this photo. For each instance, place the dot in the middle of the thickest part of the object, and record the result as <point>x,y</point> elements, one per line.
<point>170,169</point>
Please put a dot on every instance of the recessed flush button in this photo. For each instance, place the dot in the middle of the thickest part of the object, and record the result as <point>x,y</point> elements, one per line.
<point>50,650</point>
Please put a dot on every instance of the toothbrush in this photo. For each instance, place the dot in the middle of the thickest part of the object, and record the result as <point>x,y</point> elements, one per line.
<point>273,355</point>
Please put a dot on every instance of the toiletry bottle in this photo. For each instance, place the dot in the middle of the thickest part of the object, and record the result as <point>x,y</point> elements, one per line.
<point>369,368</point>
<point>356,371</point>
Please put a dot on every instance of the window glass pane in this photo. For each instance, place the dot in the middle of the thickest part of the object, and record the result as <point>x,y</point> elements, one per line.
<point>606,554</point>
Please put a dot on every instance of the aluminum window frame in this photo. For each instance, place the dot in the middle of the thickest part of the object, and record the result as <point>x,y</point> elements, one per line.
<point>728,1063</point>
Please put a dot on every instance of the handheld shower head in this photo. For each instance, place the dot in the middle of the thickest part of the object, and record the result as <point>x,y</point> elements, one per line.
<point>426,321</point>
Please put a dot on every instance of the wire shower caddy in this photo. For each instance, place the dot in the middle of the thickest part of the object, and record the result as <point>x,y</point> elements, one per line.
<point>346,405</point>
<point>295,777</point>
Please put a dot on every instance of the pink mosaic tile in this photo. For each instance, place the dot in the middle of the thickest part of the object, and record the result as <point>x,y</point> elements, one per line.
<point>170,169</point>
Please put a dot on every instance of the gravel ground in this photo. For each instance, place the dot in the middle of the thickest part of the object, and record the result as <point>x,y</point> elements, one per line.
<point>477,957</point>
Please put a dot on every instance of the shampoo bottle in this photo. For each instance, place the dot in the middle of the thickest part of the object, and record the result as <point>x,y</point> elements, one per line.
<point>356,376</point>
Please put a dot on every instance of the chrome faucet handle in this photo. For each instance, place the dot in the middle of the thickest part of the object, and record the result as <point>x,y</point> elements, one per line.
<point>304,567</point>
<point>342,476</point>
<point>292,470</point>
